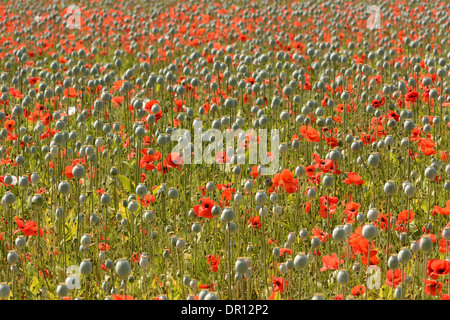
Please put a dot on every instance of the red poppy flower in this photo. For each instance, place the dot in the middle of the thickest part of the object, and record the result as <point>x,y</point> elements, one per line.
<point>121,297</point>
<point>358,290</point>
<point>30,228</point>
<point>213,261</point>
<point>397,277</point>
<point>254,222</point>
<point>331,262</point>
<point>436,268</point>
<point>353,178</point>
<point>432,287</point>
<point>204,209</point>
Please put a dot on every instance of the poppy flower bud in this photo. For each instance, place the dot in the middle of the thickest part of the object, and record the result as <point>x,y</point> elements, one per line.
<point>123,268</point>
<point>62,290</point>
<point>393,262</point>
<point>369,231</point>
<point>404,255</point>
<point>426,244</point>
<point>85,267</point>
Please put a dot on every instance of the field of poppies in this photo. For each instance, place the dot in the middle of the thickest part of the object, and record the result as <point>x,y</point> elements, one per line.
<point>117,182</point>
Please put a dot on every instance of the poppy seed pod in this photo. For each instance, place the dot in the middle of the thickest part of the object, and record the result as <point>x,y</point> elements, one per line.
<point>372,215</point>
<point>390,188</point>
<point>8,199</point>
<point>211,296</point>
<point>248,186</point>
<point>348,229</point>
<point>404,255</point>
<point>62,290</point>
<point>373,160</point>
<point>300,171</point>
<point>303,233</point>
<point>105,198</point>
<point>415,247</point>
<point>85,240</point>
<point>181,244</point>
<point>85,267</point>
<point>393,262</point>
<point>215,211</point>
<point>426,244</point>
<point>292,237</point>
<point>196,227</point>
<point>317,296</point>
<point>37,201</point>
<point>369,231</point>
<point>20,242</point>
<point>141,190</point>
<point>339,233</point>
<point>261,197</point>
<point>227,215</point>
<point>343,277</point>
<point>300,261</point>
<point>430,173</point>
<point>311,193</point>
<point>409,190</point>
<point>143,261</point>
<point>361,217</point>
<point>446,234</point>
<point>133,206</point>
<point>173,194</point>
<point>123,268</point>
<point>78,171</point>
<point>64,187</point>
<point>241,266</point>
<point>328,180</point>
<point>315,242</point>
<point>12,257</point>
